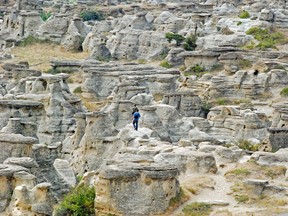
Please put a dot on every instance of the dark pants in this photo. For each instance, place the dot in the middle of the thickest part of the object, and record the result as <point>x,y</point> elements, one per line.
<point>135,124</point>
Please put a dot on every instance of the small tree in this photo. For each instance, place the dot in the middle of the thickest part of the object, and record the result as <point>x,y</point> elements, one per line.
<point>91,15</point>
<point>190,43</point>
<point>173,36</point>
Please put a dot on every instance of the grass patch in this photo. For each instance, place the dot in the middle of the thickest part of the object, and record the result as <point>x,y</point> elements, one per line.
<point>241,171</point>
<point>284,92</point>
<point>247,145</point>
<point>230,101</point>
<point>30,40</point>
<point>80,201</point>
<point>141,61</point>
<point>244,15</point>
<point>45,53</point>
<point>241,198</point>
<point>177,199</point>
<point>197,209</point>
<point>165,64</point>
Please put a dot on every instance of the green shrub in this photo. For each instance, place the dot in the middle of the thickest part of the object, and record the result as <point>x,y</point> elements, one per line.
<point>173,36</point>
<point>197,209</point>
<point>197,70</point>
<point>267,38</point>
<point>91,15</point>
<point>30,40</point>
<point>284,92</point>
<point>77,90</point>
<point>190,43</point>
<point>59,70</point>
<point>165,64</point>
<point>247,145</point>
<point>1,14</point>
<point>239,23</point>
<point>244,15</point>
<point>45,15</point>
<point>79,202</point>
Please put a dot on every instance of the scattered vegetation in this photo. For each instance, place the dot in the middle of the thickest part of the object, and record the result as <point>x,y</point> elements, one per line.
<point>173,36</point>
<point>205,108</point>
<point>30,40</point>
<point>80,201</point>
<point>244,15</point>
<point>230,101</point>
<point>216,67</point>
<point>182,68</point>
<point>247,145</point>
<point>197,209</point>
<point>91,15</point>
<point>164,53</point>
<point>267,38</point>
<point>141,61</point>
<point>241,198</point>
<point>177,199</point>
<point>77,90</point>
<point>165,64</point>
<point>45,15</point>
<point>240,171</point>
<point>59,70</point>
<point>244,63</point>
<point>190,43</point>
<point>197,70</point>
<point>284,92</point>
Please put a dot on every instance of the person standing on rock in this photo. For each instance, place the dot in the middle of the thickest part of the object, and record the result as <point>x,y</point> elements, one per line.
<point>136,116</point>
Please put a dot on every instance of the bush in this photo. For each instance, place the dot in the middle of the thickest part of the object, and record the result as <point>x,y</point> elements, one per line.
<point>244,15</point>
<point>80,201</point>
<point>59,70</point>
<point>239,23</point>
<point>284,92</point>
<point>91,15</point>
<point>197,209</point>
<point>267,38</point>
<point>45,15</point>
<point>247,145</point>
<point>173,36</point>
<point>165,64</point>
<point>197,70</point>
<point>190,43</point>
<point>77,90</point>
<point>1,14</point>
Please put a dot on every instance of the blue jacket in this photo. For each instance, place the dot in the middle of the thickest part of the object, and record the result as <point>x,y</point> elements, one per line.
<point>136,116</point>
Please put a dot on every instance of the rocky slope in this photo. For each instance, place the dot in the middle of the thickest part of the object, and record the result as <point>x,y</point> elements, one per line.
<point>218,135</point>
